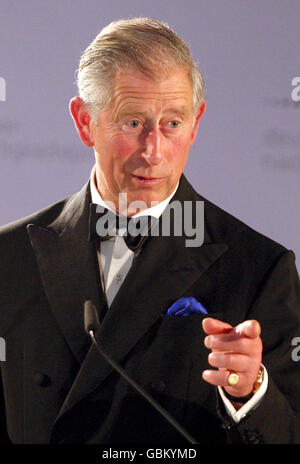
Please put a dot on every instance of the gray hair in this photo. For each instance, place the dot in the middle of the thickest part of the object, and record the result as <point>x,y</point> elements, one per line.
<point>143,44</point>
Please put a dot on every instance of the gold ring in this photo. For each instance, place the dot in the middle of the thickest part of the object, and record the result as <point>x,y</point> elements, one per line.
<point>233,379</point>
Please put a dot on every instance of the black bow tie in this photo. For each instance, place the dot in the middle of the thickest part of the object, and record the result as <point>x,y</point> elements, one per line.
<point>104,223</point>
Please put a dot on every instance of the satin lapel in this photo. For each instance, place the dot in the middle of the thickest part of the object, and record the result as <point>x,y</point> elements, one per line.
<point>68,269</point>
<point>161,273</point>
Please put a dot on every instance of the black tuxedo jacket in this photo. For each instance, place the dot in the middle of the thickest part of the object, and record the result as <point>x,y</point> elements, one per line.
<point>58,389</point>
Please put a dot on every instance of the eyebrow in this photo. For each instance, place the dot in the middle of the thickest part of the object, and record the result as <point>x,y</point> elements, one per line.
<point>182,111</point>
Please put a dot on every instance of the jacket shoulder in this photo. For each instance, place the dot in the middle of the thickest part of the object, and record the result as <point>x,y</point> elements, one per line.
<point>20,278</point>
<point>223,227</point>
<point>248,249</point>
<point>43,218</point>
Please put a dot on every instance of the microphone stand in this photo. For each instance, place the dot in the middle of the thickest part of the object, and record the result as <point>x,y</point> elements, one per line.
<point>91,323</point>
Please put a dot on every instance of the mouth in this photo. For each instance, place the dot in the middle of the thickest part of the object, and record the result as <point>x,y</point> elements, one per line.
<point>146,180</point>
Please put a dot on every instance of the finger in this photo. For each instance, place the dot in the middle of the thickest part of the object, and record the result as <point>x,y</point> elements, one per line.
<point>214,326</point>
<point>231,361</point>
<point>233,342</point>
<point>220,378</point>
<point>250,329</point>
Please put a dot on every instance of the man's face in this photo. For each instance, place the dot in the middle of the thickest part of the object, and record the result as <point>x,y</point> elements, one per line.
<point>143,139</point>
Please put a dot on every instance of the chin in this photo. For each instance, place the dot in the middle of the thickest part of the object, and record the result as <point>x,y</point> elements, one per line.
<point>145,197</point>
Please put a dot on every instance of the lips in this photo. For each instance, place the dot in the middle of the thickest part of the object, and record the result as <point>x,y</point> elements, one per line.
<point>146,180</point>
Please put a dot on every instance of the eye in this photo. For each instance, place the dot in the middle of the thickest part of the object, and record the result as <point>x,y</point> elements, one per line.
<point>173,124</point>
<point>134,124</point>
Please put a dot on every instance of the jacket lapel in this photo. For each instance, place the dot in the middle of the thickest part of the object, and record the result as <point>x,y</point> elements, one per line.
<point>161,273</point>
<point>68,269</point>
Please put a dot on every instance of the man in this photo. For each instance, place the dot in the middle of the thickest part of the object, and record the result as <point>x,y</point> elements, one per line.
<point>223,371</point>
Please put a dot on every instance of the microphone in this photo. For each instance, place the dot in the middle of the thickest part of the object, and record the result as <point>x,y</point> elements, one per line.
<point>92,324</point>
<point>91,319</point>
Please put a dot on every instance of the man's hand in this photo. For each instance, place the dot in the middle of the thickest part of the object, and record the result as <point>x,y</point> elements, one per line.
<point>236,349</point>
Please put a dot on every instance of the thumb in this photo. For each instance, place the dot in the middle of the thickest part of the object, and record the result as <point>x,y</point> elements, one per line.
<point>250,329</point>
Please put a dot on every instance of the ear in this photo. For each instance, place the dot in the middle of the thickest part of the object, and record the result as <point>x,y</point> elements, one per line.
<point>198,117</point>
<point>82,120</point>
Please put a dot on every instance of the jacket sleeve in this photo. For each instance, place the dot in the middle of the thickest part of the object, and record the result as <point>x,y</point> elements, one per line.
<point>276,419</point>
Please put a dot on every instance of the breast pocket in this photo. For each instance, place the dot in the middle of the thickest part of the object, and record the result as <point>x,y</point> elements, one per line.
<point>168,351</point>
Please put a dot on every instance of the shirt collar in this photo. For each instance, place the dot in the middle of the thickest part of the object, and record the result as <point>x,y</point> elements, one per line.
<point>155,211</point>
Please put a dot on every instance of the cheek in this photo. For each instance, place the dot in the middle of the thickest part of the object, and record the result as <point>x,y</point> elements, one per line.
<point>180,149</point>
<point>123,147</point>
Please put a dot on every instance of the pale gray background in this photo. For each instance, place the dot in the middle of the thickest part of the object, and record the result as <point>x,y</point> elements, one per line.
<point>247,155</point>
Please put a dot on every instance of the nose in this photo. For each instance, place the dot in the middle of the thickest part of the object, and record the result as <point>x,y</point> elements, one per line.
<point>152,151</point>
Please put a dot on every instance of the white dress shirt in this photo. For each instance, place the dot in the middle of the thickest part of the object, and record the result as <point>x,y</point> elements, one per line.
<point>115,260</point>
<point>114,257</point>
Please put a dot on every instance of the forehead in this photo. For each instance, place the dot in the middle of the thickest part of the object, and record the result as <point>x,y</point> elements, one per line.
<point>133,87</point>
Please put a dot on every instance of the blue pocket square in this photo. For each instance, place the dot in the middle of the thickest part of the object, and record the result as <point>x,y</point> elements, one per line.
<point>186,307</point>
